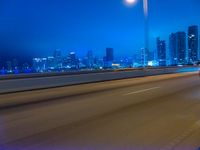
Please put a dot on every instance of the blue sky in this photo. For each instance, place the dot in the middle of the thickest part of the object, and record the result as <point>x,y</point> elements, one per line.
<point>36,27</point>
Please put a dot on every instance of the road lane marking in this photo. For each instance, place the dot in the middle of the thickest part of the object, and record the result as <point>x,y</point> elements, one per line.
<point>142,91</point>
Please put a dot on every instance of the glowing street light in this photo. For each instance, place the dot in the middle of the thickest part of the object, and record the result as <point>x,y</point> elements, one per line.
<point>145,9</point>
<point>130,2</point>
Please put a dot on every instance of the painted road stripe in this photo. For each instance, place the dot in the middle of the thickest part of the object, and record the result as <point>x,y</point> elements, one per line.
<point>142,91</point>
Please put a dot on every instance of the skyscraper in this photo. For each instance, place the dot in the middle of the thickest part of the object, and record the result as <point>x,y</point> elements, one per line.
<point>90,59</point>
<point>39,64</point>
<point>178,48</point>
<point>58,58</point>
<point>173,50</point>
<point>109,58</point>
<point>109,54</point>
<point>73,61</point>
<point>193,44</point>
<point>142,61</point>
<point>161,52</point>
<point>57,53</point>
<point>181,47</point>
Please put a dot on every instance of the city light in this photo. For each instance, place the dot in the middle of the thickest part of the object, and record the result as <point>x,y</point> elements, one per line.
<point>130,2</point>
<point>146,53</point>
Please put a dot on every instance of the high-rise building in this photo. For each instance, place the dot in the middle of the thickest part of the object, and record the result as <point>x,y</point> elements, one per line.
<point>173,53</point>
<point>178,48</point>
<point>9,66</point>
<point>72,56</point>
<point>143,57</point>
<point>193,44</point>
<point>161,52</point>
<point>73,61</point>
<point>181,47</point>
<point>15,64</point>
<point>51,64</point>
<point>90,59</point>
<point>57,53</point>
<point>39,64</point>
<point>109,58</point>
<point>109,54</point>
<point>57,58</point>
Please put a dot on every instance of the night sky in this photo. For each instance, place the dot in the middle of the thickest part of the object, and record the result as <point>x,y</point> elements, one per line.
<point>34,28</point>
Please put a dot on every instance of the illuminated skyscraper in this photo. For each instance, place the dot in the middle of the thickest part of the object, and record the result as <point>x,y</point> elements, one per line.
<point>173,50</point>
<point>39,64</point>
<point>90,59</point>
<point>9,66</point>
<point>57,53</point>
<point>161,52</point>
<point>57,58</point>
<point>177,46</point>
<point>143,57</point>
<point>73,61</point>
<point>109,54</point>
<point>193,44</point>
<point>181,47</point>
<point>109,58</point>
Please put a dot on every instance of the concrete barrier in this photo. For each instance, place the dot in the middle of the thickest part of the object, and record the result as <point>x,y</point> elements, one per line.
<point>52,74</point>
<point>9,85</point>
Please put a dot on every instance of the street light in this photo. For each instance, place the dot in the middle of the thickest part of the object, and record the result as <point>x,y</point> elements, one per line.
<point>130,2</point>
<point>145,9</point>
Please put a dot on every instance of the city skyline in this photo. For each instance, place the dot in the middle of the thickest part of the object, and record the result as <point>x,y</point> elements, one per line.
<point>191,39</point>
<point>90,25</point>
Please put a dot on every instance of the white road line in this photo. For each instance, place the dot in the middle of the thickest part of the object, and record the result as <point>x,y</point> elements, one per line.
<point>141,91</point>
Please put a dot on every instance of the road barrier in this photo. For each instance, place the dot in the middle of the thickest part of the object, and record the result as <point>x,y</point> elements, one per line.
<point>10,84</point>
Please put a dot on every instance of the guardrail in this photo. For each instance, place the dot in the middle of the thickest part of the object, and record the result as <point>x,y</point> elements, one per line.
<point>51,74</point>
<point>40,81</point>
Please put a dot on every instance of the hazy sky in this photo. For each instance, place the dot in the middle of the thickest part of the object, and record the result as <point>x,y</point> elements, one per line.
<point>37,27</point>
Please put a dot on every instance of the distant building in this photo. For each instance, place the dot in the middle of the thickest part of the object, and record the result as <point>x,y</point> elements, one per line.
<point>152,55</point>
<point>51,63</point>
<point>72,57</point>
<point>109,58</point>
<point>181,47</point>
<point>15,64</point>
<point>173,53</point>
<point>57,53</point>
<point>90,59</point>
<point>98,63</point>
<point>143,57</point>
<point>72,60</point>
<point>9,66</point>
<point>26,68</point>
<point>109,54</point>
<point>193,44</point>
<point>161,52</point>
<point>177,42</point>
<point>39,64</point>
<point>58,59</point>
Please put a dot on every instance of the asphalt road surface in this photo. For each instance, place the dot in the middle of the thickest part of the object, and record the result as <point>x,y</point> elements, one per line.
<point>151,113</point>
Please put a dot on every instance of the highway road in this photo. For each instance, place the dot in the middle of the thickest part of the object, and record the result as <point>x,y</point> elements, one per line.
<point>149,113</point>
<point>27,82</point>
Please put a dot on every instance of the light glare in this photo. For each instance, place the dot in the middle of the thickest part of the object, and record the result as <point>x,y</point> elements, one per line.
<point>130,2</point>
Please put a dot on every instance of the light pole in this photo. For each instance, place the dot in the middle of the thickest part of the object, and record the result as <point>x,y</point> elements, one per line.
<point>145,8</point>
<point>146,30</point>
